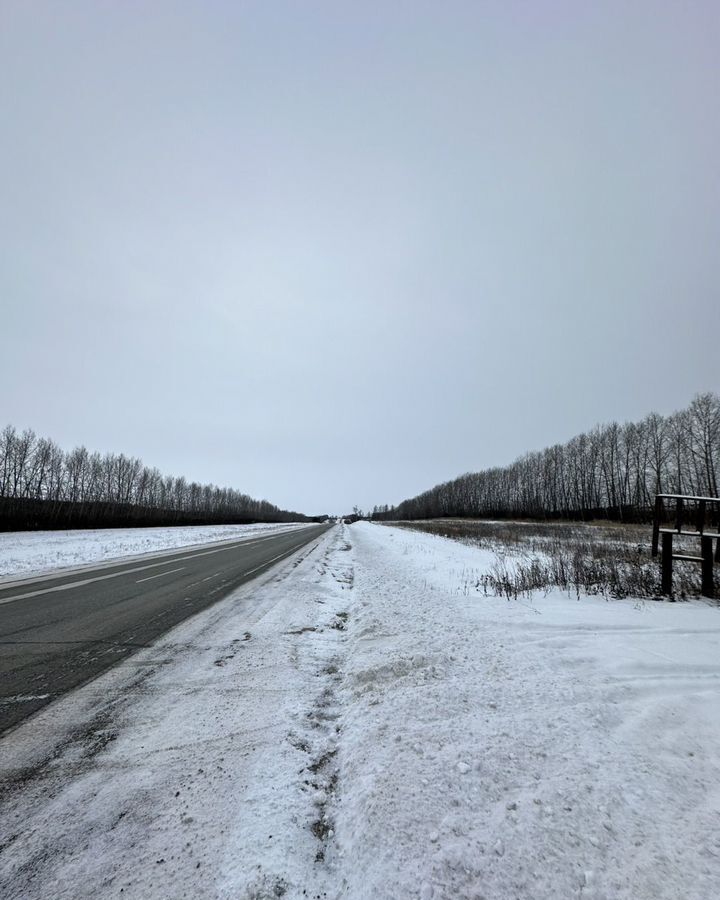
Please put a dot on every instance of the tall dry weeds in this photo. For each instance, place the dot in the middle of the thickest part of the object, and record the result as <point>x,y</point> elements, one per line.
<point>606,559</point>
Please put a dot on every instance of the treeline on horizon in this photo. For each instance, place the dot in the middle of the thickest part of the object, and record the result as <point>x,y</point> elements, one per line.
<point>44,486</point>
<point>612,472</point>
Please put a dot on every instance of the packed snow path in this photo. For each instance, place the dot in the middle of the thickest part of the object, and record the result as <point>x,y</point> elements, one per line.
<point>362,723</point>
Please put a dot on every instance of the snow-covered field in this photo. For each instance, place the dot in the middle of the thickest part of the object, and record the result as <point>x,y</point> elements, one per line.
<point>359,723</point>
<point>34,552</point>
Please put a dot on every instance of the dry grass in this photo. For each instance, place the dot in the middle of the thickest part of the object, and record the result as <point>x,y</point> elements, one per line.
<point>604,558</point>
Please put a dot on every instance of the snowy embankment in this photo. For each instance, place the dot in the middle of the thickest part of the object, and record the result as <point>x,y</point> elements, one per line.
<point>360,723</point>
<point>36,552</point>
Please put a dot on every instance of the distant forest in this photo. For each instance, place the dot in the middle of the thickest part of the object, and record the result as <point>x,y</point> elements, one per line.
<point>43,486</point>
<point>613,472</point>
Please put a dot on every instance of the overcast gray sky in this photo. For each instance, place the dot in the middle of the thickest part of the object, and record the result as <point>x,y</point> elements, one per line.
<point>334,253</point>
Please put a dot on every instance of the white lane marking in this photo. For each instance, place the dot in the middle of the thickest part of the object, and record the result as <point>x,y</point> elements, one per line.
<point>159,575</point>
<point>209,577</point>
<point>267,562</point>
<point>24,698</point>
<point>74,584</point>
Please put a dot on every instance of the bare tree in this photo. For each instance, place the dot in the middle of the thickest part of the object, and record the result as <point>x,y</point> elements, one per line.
<point>613,470</point>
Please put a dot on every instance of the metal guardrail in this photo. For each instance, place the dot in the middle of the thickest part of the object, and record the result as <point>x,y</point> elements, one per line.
<point>683,517</point>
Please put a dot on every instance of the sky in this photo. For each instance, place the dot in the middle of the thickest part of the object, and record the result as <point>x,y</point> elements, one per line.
<point>333,253</point>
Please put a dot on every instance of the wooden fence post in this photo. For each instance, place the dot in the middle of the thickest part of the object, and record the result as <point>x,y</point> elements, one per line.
<point>667,549</point>
<point>656,526</point>
<point>708,588</point>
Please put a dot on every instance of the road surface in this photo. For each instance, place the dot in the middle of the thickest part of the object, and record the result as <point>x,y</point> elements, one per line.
<point>60,631</point>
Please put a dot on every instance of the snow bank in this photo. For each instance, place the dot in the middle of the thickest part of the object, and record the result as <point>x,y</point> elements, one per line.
<point>361,724</point>
<point>35,552</point>
<point>558,748</point>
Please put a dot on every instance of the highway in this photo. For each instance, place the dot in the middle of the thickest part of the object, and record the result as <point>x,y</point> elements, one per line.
<point>59,631</point>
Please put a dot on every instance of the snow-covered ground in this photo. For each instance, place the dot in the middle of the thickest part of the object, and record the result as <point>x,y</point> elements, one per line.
<point>34,552</point>
<point>361,723</point>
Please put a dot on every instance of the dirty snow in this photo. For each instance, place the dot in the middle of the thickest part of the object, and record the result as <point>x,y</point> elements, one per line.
<point>35,552</point>
<point>361,723</point>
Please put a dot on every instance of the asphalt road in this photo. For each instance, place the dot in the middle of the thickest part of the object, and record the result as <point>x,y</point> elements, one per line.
<point>60,631</point>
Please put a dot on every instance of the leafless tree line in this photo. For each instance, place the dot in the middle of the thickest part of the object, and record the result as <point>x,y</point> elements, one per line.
<point>42,485</point>
<point>613,471</point>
